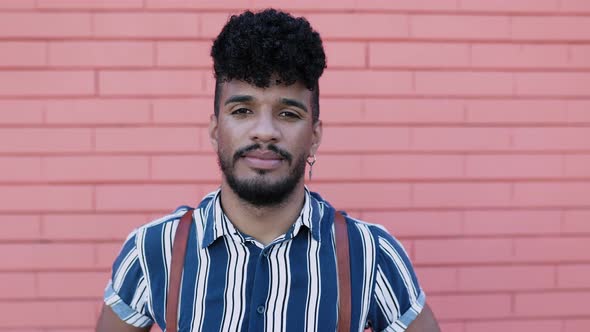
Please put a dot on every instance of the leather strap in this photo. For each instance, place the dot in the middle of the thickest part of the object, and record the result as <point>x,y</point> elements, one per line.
<point>179,252</point>
<point>343,256</point>
<point>176,266</point>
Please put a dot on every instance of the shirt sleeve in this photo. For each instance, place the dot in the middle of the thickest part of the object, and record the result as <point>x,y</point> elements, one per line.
<point>397,297</point>
<point>127,290</point>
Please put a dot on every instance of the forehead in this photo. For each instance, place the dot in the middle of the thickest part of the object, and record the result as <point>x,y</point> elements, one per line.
<point>272,93</point>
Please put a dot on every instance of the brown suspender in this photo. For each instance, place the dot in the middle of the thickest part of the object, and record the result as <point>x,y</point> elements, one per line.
<point>179,252</point>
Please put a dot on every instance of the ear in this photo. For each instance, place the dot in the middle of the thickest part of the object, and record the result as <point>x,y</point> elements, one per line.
<point>316,138</point>
<point>213,132</point>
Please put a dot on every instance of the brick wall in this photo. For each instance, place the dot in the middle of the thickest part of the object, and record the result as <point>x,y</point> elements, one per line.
<point>461,125</point>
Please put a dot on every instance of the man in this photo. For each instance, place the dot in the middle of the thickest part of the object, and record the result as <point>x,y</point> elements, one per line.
<point>260,254</point>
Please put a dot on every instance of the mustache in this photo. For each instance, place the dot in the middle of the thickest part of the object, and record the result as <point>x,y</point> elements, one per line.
<point>242,151</point>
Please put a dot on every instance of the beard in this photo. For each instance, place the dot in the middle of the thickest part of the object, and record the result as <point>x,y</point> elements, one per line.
<point>259,190</point>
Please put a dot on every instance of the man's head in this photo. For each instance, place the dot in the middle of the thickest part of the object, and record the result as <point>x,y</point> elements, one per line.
<point>266,121</point>
<point>260,47</point>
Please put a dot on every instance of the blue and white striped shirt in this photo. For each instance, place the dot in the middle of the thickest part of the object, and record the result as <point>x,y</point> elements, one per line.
<point>231,282</point>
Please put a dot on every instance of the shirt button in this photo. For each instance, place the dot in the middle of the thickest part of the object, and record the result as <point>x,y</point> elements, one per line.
<point>265,253</point>
<point>260,309</point>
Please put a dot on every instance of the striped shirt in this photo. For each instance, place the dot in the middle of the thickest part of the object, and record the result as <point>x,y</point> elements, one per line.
<point>231,282</point>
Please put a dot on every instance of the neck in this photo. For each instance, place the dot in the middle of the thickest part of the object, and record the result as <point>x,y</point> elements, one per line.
<point>264,223</point>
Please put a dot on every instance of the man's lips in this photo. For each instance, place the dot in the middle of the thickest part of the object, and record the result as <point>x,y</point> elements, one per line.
<point>266,160</point>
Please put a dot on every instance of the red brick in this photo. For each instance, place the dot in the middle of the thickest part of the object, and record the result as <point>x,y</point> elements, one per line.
<point>15,54</point>
<point>576,221</point>
<point>51,25</point>
<point>147,139</point>
<point>46,198</point>
<point>47,313</point>
<point>448,251</point>
<point>553,84</point>
<point>506,278</point>
<point>197,4</point>
<point>577,165</point>
<point>552,194</point>
<point>212,23</point>
<point>366,83</point>
<point>106,254</point>
<point>43,83</point>
<point>365,26</point>
<point>461,194</point>
<point>437,279</point>
<point>428,55</point>
<point>20,227</point>
<point>548,139</point>
<point>411,166</point>
<point>23,140</point>
<point>577,111</point>
<point>519,55</point>
<point>90,4</point>
<point>90,226</point>
<point>53,256</point>
<point>178,54</point>
<point>516,111</point>
<point>426,5</point>
<point>345,54</point>
<point>151,82</point>
<point>460,138</point>
<point>514,166</point>
<point>540,325</point>
<point>470,306</point>
<point>337,167</point>
<point>576,325</point>
<point>17,4</point>
<point>464,83</point>
<point>417,223</point>
<point>521,222</point>
<point>460,27</point>
<point>304,4</point>
<point>413,111</point>
<point>101,54</point>
<point>364,139</point>
<point>526,6</point>
<point>146,25</point>
<point>21,112</point>
<point>573,28</point>
<point>573,276</point>
<point>552,249</point>
<point>554,304</point>
<point>575,5</point>
<point>145,197</point>
<point>451,326</point>
<point>20,169</point>
<point>185,111</point>
<point>346,196</point>
<point>17,285</point>
<point>181,167</point>
<point>69,285</point>
<point>96,168</point>
<point>580,55</point>
<point>341,110</point>
<point>97,111</point>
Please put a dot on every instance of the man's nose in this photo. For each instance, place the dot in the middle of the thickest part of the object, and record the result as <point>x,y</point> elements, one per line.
<point>265,129</point>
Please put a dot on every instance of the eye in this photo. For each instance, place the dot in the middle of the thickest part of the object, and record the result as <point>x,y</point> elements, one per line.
<point>241,111</point>
<point>289,115</point>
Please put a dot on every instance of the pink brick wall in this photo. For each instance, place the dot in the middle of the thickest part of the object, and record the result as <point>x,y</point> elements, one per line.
<point>462,125</point>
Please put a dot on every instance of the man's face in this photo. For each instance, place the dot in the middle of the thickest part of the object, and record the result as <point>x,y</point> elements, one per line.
<point>263,137</point>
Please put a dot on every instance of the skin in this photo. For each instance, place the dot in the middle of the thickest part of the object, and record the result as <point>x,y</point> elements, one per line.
<point>249,115</point>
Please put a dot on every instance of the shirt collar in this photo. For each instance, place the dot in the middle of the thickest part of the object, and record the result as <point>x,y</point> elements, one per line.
<point>217,224</point>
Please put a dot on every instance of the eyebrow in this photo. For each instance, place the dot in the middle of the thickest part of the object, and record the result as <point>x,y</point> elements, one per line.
<point>293,102</point>
<point>238,99</point>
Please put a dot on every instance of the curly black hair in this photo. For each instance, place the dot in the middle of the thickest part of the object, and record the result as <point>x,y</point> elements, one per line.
<point>252,47</point>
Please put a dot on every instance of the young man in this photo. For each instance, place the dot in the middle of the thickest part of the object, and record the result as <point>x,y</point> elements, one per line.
<point>261,249</point>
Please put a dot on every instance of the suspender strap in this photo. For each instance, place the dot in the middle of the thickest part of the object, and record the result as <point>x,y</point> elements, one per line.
<point>176,266</point>
<point>179,252</point>
<point>343,256</point>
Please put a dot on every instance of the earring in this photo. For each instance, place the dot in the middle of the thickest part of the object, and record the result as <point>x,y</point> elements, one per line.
<point>310,161</point>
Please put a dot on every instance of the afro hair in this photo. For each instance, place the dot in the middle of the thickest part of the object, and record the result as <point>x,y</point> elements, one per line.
<point>253,47</point>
